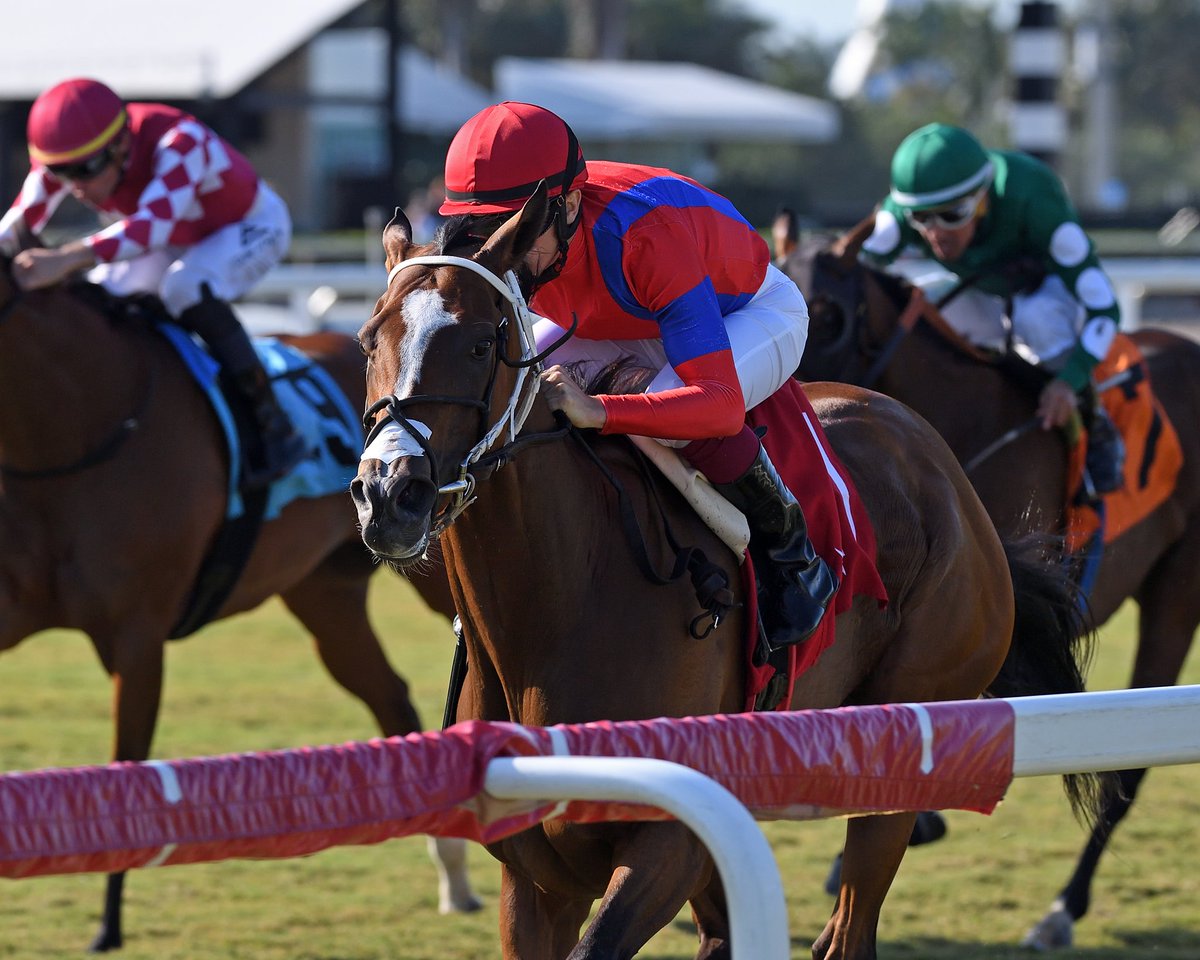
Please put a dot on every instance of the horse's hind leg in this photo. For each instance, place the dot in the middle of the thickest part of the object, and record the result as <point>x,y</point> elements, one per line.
<point>1167,620</point>
<point>332,603</point>
<point>874,849</point>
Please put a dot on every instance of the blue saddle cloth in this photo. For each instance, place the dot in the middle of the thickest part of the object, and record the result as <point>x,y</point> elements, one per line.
<point>318,409</point>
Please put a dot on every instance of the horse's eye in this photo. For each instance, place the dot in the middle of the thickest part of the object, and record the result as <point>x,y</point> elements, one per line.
<point>482,349</point>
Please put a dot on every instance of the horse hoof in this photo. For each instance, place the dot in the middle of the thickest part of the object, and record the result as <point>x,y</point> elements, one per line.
<point>1053,932</point>
<point>105,942</point>
<point>834,880</point>
<point>469,904</point>
<point>930,826</point>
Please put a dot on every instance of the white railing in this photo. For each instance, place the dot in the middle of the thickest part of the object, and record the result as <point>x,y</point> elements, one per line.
<point>302,298</point>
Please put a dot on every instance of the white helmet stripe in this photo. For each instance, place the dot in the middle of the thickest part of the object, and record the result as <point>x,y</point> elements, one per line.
<point>978,179</point>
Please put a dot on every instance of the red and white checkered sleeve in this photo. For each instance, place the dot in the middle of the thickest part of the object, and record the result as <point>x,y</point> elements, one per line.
<point>180,165</point>
<point>40,195</point>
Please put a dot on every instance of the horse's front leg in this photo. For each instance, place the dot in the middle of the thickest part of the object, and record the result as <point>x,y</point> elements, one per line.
<point>135,663</point>
<point>535,924</point>
<point>656,870</point>
<point>874,849</point>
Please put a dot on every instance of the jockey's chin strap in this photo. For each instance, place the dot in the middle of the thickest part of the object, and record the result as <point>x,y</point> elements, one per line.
<point>462,489</point>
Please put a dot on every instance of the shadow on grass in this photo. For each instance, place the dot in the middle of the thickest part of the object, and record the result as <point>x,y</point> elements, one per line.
<point>1165,944</point>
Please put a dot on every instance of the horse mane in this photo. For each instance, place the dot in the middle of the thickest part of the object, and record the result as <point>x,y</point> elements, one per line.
<point>466,231</point>
<point>623,375</point>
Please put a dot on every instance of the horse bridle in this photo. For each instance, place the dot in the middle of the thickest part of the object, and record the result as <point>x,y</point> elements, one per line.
<point>103,451</point>
<point>461,490</point>
<point>708,579</point>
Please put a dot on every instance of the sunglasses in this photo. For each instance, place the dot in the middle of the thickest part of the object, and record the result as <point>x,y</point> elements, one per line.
<point>87,169</point>
<point>953,217</point>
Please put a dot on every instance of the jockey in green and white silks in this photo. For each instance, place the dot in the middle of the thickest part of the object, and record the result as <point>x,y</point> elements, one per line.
<point>1002,223</point>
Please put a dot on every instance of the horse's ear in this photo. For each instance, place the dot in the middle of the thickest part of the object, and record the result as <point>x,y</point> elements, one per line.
<point>508,245</point>
<point>846,247</point>
<point>397,237</point>
<point>785,233</point>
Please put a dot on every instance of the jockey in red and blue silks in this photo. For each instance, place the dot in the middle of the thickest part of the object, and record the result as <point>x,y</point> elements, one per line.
<point>657,268</point>
<point>186,217</point>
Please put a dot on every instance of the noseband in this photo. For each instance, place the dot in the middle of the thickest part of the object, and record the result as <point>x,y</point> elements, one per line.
<point>462,489</point>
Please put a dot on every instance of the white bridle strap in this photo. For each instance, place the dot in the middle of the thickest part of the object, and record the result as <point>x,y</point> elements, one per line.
<point>463,262</point>
<point>526,385</point>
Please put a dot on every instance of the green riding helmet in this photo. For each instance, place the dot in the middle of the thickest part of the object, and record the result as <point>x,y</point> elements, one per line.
<point>937,164</point>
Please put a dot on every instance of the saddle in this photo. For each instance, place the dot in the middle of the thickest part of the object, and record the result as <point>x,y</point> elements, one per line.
<point>838,525</point>
<point>1153,454</point>
<point>313,401</point>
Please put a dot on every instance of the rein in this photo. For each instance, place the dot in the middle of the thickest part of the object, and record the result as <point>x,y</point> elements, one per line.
<point>708,580</point>
<point>461,490</point>
<point>103,451</point>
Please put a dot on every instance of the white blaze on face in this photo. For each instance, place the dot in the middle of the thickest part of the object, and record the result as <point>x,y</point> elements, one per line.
<point>424,313</point>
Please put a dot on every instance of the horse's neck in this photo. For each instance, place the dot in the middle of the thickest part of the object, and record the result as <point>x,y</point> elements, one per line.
<point>545,580</point>
<point>971,405</point>
<point>65,375</point>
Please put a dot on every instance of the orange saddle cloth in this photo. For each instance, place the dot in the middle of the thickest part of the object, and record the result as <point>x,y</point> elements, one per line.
<point>1152,453</point>
<point>838,524</point>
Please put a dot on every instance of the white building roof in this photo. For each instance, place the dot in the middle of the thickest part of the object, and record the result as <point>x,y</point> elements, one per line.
<point>155,48</point>
<point>433,98</point>
<point>632,100</point>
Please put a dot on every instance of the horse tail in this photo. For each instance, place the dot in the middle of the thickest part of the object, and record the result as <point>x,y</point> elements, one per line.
<point>1051,648</point>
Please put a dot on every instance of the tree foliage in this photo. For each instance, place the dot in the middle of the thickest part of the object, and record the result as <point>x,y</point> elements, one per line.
<point>945,60</point>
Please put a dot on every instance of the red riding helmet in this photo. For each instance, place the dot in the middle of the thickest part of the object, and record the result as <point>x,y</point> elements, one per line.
<point>499,156</point>
<point>73,121</point>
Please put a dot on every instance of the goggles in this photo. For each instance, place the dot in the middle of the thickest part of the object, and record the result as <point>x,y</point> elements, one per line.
<point>955,216</point>
<point>87,169</point>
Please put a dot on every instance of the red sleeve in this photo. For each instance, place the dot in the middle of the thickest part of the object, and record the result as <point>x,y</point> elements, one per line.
<point>709,404</point>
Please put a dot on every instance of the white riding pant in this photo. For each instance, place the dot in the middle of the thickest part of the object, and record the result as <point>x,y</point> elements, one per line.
<point>767,336</point>
<point>231,260</point>
<point>1046,323</point>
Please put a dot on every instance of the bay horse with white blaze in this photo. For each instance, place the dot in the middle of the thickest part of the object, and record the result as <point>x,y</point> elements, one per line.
<point>857,330</point>
<point>113,485</point>
<point>562,625</point>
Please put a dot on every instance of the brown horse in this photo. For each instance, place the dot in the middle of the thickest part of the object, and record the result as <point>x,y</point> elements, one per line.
<point>113,479</point>
<point>973,402</point>
<point>562,625</point>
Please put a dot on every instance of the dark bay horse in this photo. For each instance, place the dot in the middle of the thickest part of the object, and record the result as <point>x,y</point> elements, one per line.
<point>112,486</point>
<point>561,625</point>
<point>856,313</point>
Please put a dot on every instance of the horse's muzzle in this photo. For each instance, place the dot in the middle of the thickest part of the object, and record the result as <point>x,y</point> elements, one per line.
<point>395,510</point>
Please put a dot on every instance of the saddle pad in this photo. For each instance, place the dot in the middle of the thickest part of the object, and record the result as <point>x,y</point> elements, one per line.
<point>1152,454</point>
<point>318,409</point>
<point>838,524</point>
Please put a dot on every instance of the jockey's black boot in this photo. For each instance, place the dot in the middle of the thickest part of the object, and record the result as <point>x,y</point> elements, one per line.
<point>281,446</point>
<point>795,584</point>
<point>1105,460</point>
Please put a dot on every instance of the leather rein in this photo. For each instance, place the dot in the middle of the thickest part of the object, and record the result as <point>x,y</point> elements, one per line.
<point>712,588</point>
<point>105,450</point>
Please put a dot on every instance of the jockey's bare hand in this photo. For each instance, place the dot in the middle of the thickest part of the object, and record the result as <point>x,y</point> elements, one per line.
<point>563,393</point>
<point>1056,404</point>
<point>39,267</point>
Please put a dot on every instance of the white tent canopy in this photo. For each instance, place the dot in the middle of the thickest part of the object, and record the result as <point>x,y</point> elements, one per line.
<point>632,100</point>
<point>433,98</point>
<point>155,48</point>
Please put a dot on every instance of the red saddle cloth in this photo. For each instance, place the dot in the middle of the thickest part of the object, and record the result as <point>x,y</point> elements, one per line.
<point>838,524</point>
<point>1152,453</point>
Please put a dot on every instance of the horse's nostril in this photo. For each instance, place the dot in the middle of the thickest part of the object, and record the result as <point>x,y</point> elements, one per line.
<point>357,488</point>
